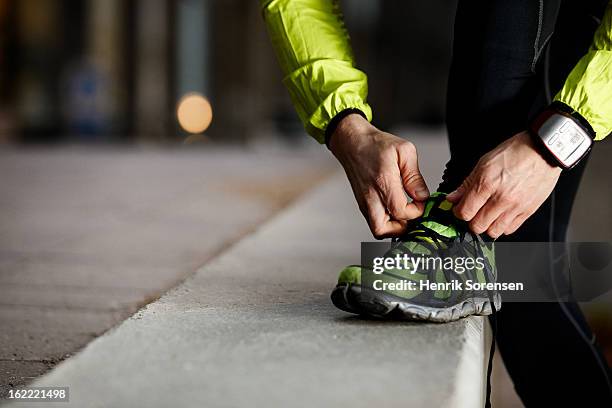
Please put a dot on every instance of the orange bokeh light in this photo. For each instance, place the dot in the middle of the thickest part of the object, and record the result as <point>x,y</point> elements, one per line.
<point>194,113</point>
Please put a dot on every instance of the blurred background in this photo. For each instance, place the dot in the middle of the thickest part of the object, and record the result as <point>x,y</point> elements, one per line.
<point>113,70</point>
<point>107,202</point>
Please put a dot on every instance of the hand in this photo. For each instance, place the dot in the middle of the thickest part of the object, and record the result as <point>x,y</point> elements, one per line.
<point>381,168</point>
<point>507,186</point>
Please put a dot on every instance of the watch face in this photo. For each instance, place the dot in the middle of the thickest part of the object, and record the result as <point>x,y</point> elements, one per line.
<point>565,139</point>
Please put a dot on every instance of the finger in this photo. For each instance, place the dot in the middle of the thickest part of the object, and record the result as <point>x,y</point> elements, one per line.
<point>380,222</point>
<point>393,195</point>
<point>412,179</point>
<point>501,224</point>
<point>476,194</point>
<point>420,205</point>
<point>516,224</point>
<point>487,215</point>
<point>456,195</point>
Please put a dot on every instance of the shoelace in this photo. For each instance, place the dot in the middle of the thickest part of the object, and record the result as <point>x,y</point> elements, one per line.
<point>421,233</point>
<point>493,321</point>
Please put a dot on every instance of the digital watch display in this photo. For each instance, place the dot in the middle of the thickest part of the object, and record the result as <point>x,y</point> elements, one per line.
<point>563,137</point>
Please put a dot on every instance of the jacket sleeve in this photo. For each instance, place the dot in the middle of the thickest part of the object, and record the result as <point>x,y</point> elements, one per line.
<point>315,55</point>
<point>588,88</point>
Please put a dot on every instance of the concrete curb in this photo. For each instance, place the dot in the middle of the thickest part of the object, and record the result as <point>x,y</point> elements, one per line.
<point>255,327</point>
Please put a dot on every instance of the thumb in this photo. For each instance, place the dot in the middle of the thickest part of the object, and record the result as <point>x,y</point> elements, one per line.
<point>413,181</point>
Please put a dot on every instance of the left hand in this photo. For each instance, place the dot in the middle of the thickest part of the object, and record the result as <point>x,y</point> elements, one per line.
<point>505,188</point>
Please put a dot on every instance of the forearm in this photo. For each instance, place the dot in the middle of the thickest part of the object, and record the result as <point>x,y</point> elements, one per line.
<point>314,53</point>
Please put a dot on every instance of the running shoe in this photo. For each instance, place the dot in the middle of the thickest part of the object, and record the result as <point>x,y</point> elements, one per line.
<point>445,286</point>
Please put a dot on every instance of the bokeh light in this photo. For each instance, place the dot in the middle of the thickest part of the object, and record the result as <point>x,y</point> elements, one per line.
<point>194,113</point>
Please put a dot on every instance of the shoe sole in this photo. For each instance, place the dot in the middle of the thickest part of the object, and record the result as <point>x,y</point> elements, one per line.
<point>350,298</point>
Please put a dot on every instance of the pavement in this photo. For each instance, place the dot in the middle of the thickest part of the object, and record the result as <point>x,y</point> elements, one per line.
<point>254,325</point>
<point>88,236</point>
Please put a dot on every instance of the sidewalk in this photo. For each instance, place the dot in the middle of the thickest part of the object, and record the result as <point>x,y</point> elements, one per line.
<point>88,236</point>
<point>255,327</point>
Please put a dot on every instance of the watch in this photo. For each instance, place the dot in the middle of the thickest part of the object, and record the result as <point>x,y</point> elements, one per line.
<point>563,138</point>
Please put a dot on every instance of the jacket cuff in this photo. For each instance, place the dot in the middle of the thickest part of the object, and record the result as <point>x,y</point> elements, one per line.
<point>587,91</point>
<point>323,89</point>
<point>323,122</point>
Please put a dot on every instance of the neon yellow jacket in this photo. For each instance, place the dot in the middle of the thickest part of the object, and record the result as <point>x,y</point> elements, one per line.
<point>314,52</point>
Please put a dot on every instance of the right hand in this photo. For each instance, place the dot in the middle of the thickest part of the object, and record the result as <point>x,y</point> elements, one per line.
<point>381,168</point>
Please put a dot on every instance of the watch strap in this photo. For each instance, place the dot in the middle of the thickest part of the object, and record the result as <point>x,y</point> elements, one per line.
<point>543,150</point>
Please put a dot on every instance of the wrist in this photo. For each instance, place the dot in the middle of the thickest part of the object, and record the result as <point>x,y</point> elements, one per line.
<point>536,145</point>
<point>346,129</point>
<point>339,117</point>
